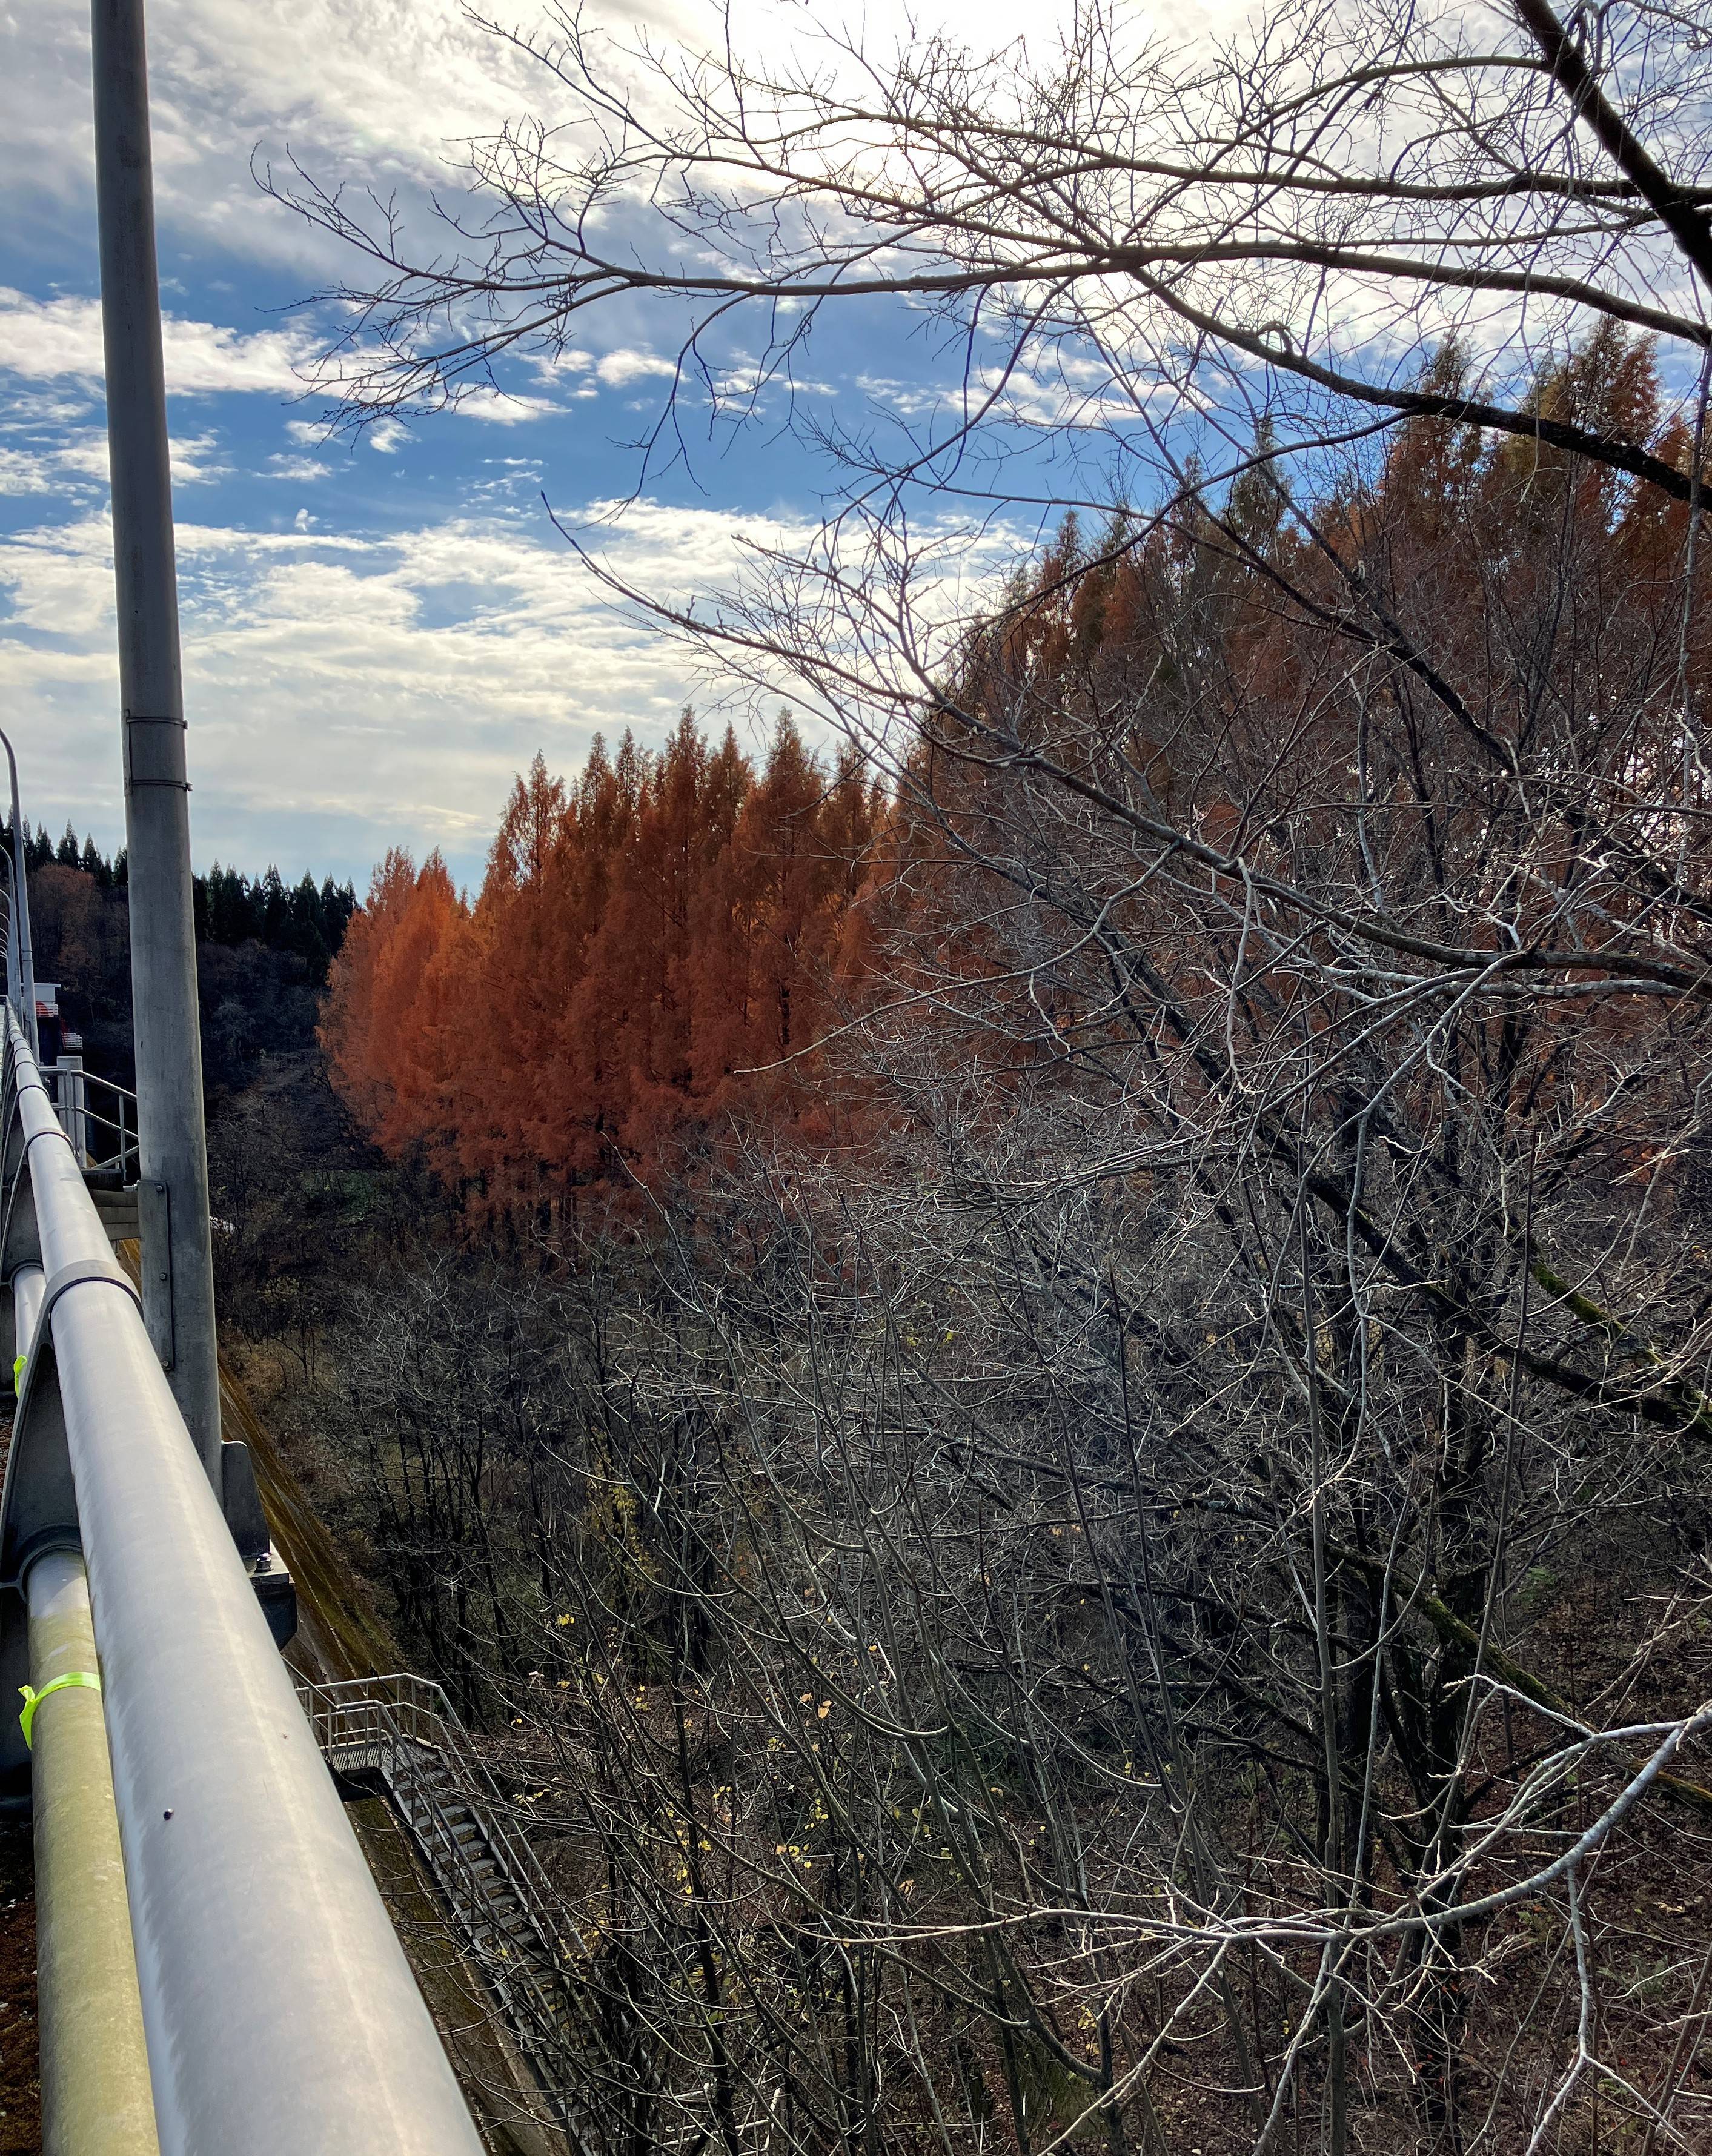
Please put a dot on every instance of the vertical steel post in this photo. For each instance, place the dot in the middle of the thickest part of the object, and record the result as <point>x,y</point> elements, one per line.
<point>25,984</point>
<point>73,1099</point>
<point>178,1281</point>
<point>14,978</point>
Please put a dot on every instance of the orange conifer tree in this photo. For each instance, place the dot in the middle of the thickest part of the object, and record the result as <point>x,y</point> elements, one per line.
<point>644,946</point>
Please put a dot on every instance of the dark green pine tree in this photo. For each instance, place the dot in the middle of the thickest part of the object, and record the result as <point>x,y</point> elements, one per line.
<point>275,910</point>
<point>307,938</point>
<point>230,914</point>
<point>338,903</point>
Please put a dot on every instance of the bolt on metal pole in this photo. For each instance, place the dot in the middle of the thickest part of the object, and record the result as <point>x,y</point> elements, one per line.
<point>179,1280</point>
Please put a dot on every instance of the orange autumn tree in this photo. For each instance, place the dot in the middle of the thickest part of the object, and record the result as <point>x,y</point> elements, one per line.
<point>388,1024</point>
<point>649,950</point>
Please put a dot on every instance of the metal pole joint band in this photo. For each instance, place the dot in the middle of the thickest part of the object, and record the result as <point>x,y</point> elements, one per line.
<point>74,1276</point>
<point>154,754</point>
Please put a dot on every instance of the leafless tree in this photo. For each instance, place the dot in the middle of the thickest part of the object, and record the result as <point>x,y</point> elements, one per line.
<point>1160,1594</point>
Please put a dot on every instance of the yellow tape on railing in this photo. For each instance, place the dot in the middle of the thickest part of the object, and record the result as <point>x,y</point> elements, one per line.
<point>32,1699</point>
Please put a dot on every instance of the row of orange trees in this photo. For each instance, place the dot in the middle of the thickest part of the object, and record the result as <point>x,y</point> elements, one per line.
<point>651,950</point>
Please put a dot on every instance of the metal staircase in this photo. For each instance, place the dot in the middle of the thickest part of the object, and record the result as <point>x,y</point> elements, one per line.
<point>99,1116</point>
<point>402,1732</point>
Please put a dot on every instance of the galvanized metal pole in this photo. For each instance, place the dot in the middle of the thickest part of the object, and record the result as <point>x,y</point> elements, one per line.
<point>96,2093</point>
<point>178,1280</point>
<point>25,958</point>
<point>14,978</point>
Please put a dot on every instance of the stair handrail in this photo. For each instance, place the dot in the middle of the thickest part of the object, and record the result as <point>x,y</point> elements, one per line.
<point>370,1714</point>
<point>121,1126</point>
<point>435,1721</point>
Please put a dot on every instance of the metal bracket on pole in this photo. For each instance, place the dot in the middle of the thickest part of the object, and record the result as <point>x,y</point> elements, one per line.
<point>154,753</point>
<point>154,1213</point>
<point>74,1275</point>
<point>38,1511</point>
<point>20,1242</point>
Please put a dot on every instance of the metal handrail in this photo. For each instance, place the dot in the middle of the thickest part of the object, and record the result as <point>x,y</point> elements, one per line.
<point>124,1128</point>
<point>81,1069</point>
<point>276,1999</point>
<point>401,1711</point>
<point>398,1722</point>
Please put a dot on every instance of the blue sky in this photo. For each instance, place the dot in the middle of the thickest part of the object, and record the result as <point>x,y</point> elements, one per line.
<point>377,635</point>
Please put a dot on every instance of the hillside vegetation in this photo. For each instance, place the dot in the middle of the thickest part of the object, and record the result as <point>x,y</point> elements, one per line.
<point>263,951</point>
<point>1057,1414</point>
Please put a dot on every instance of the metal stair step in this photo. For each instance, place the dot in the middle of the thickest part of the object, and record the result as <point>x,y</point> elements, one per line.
<point>118,1211</point>
<point>440,1797</point>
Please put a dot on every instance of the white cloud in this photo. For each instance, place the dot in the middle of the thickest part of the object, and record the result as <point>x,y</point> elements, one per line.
<point>503,408</point>
<point>49,340</point>
<point>85,453</point>
<point>550,365</point>
<point>386,90</point>
<point>25,471</point>
<point>358,691</point>
<point>618,367</point>
<point>385,435</point>
<point>194,460</point>
<point>28,408</point>
<point>303,468</point>
<point>348,692</point>
<point>74,463</point>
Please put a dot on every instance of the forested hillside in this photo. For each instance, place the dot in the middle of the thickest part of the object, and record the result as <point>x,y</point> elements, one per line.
<point>1058,1415</point>
<point>263,951</point>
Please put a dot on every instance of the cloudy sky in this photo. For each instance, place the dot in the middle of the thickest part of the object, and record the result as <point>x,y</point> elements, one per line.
<point>377,635</point>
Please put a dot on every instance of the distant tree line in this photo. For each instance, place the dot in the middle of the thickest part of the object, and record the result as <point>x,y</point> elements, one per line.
<point>231,908</point>
<point>264,948</point>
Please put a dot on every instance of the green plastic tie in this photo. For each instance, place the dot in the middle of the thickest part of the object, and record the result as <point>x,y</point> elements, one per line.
<point>85,1679</point>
